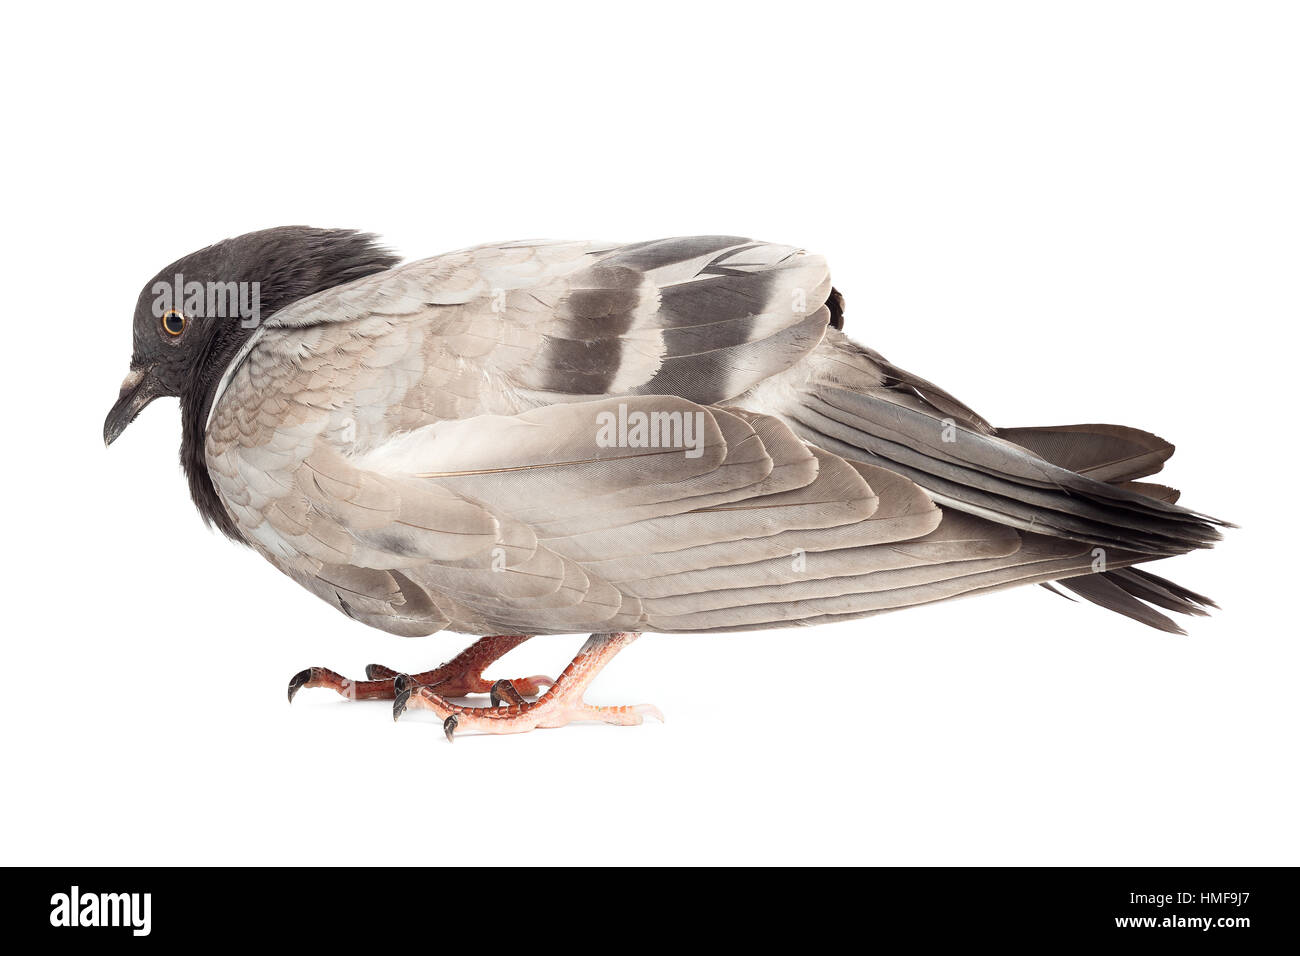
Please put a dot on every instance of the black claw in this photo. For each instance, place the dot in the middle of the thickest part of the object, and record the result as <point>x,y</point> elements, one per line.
<point>296,682</point>
<point>505,690</point>
<point>403,682</point>
<point>449,728</point>
<point>374,670</point>
<point>400,696</point>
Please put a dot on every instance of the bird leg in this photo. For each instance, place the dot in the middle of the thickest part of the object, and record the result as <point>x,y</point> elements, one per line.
<point>463,674</point>
<point>459,677</point>
<point>561,703</point>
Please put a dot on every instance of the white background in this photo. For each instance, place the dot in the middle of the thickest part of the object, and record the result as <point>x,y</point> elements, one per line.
<point>1060,213</point>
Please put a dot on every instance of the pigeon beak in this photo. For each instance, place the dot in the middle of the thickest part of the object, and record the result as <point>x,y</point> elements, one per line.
<point>139,388</point>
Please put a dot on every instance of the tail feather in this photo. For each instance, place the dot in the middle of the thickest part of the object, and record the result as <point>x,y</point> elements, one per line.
<point>1109,453</point>
<point>853,403</point>
<point>1075,482</point>
<point>1114,593</point>
<point>1157,590</point>
<point>1152,490</point>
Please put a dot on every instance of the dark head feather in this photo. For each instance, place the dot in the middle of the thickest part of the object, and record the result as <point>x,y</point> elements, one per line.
<point>287,263</point>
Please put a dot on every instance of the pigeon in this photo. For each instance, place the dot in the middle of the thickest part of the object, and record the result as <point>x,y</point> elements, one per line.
<point>556,437</point>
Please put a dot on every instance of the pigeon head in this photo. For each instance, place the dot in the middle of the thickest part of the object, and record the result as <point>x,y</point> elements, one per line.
<point>192,318</point>
<point>195,314</point>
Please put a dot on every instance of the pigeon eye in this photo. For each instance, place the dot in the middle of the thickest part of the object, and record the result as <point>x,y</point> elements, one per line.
<point>173,322</point>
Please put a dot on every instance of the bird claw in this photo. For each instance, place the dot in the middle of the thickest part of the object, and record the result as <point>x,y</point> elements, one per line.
<point>298,681</point>
<point>324,677</point>
<point>402,688</point>
<point>505,690</point>
<point>449,728</point>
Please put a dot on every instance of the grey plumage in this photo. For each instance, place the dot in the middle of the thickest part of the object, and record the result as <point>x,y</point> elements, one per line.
<point>423,446</point>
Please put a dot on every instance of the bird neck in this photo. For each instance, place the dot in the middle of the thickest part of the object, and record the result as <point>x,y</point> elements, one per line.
<point>196,405</point>
<point>288,264</point>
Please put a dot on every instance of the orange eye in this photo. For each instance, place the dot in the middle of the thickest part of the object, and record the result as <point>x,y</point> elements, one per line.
<point>173,322</point>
